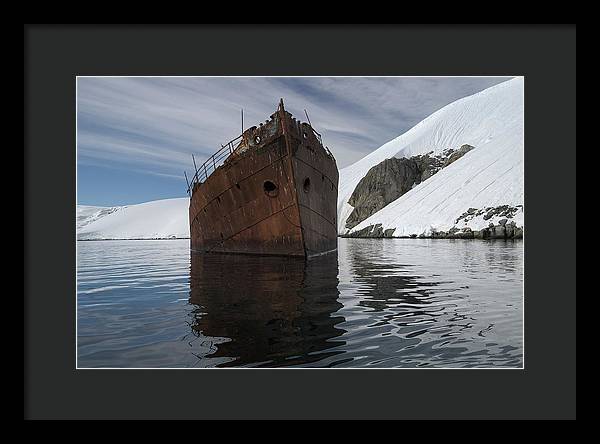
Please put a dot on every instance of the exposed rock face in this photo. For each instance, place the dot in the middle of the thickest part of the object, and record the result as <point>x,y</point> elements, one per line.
<point>384,183</point>
<point>453,156</point>
<point>373,231</point>
<point>390,179</point>
<point>489,212</point>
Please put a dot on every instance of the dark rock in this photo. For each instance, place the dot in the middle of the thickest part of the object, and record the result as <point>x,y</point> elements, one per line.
<point>505,211</point>
<point>390,179</point>
<point>484,233</point>
<point>466,234</point>
<point>384,183</point>
<point>498,232</point>
<point>455,155</point>
<point>372,231</point>
<point>453,233</point>
<point>510,231</point>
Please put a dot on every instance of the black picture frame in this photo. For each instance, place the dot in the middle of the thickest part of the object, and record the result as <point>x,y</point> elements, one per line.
<point>53,57</point>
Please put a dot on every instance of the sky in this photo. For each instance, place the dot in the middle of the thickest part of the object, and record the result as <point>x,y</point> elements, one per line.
<point>136,135</point>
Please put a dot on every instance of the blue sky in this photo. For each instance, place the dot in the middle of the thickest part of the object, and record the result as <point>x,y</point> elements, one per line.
<point>136,135</point>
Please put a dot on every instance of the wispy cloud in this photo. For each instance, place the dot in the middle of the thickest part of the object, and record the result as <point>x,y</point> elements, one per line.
<point>155,124</point>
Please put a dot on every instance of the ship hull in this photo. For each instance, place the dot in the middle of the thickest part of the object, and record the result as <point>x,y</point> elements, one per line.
<point>277,197</point>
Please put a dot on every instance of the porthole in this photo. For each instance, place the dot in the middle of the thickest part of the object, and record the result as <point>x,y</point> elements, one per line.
<point>270,188</point>
<point>304,135</point>
<point>306,185</point>
<point>257,139</point>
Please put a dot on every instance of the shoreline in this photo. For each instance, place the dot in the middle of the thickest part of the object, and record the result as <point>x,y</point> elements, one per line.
<point>339,236</point>
<point>132,238</point>
<point>504,230</point>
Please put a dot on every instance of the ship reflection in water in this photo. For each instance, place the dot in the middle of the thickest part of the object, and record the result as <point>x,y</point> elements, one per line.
<point>376,303</point>
<point>270,311</point>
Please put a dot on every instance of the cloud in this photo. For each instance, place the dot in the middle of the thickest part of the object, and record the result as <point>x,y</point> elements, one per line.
<point>155,124</point>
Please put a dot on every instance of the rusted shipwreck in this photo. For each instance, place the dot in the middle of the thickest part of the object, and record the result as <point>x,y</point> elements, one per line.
<point>271,191</point>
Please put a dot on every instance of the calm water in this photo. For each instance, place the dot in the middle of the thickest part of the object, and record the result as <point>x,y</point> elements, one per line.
<point>378,303</point>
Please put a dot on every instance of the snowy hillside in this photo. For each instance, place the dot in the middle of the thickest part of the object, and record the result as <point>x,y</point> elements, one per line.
<point>159,219</point>
<point>87,214</point>
<point>491,175</point>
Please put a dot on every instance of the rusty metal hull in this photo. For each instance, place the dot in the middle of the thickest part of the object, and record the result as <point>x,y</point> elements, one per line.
<point>275,194</point>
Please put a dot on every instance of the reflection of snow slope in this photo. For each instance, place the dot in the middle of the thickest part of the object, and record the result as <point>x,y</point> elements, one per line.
<point>490,175</point>
<point>160,219</point>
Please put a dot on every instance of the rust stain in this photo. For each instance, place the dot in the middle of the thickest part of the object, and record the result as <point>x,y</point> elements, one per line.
<point>272,190</point>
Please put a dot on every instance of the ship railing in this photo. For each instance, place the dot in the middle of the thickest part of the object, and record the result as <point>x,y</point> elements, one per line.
<point>320,139</point>
<point>212,163</point>
<point>202,172</point>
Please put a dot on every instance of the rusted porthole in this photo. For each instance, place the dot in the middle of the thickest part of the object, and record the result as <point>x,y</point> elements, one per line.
<point>306,185</point>
<point>270,188</point>
<point>257,139</point>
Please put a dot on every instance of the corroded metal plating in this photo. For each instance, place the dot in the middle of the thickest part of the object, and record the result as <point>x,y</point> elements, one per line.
<point>272,190</point>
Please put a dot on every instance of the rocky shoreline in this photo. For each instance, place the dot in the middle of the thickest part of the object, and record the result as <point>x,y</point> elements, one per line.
<point>503,230</point>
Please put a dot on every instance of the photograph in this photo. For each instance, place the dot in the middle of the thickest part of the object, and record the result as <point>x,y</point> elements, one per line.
<point>285,222</point>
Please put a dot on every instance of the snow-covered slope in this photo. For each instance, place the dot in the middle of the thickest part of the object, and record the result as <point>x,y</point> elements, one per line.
<point>159,219</point>
<point>87,214</point>
<point>490,175</point>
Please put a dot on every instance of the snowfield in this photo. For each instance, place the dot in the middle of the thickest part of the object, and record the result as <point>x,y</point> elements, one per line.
<point>488,176</point>
<point>159,219</point>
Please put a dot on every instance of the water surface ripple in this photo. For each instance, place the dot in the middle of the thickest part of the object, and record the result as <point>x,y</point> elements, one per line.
<point>378,303</point>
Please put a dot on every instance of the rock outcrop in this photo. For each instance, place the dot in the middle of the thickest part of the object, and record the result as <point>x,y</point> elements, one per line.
<point>383,184</point>
<point>508,230</point>
<point>372,231</point>
<point>390,179</point>
<point>453,156</point>
<point>506,211</point>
